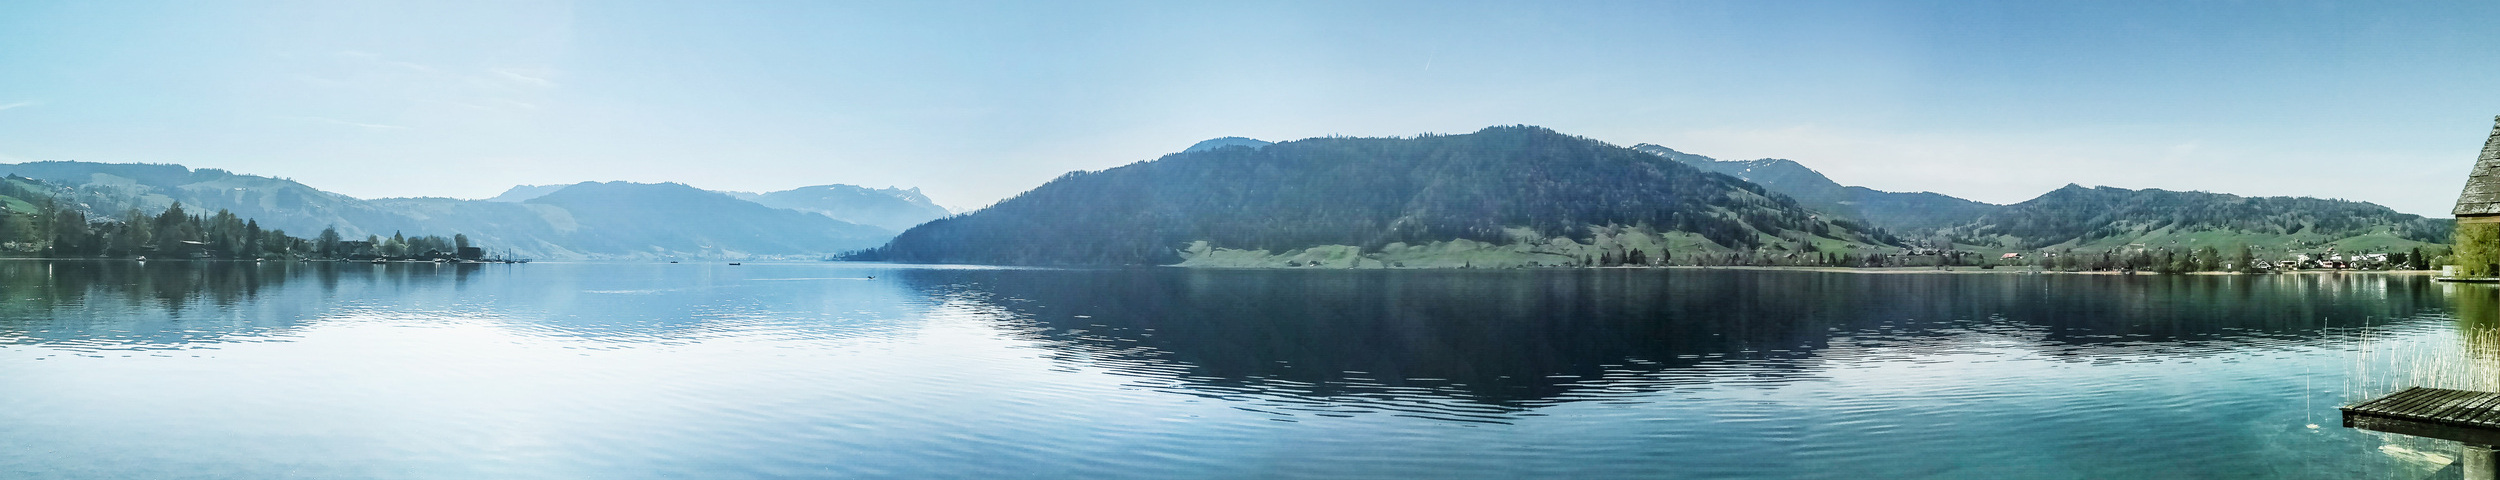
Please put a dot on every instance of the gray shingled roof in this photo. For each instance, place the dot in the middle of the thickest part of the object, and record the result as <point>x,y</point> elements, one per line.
<point>2482,188</point>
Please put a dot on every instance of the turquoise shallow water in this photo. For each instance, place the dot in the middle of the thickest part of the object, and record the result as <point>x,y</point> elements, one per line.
<point>223,370</point>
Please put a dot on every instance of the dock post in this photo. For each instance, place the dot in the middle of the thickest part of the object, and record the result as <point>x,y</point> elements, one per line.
<point>2476,462</point>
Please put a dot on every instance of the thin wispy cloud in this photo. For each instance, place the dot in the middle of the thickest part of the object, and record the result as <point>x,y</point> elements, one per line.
<point>410,65</point>
<point>13,106</point>
<point>524,79</point>
<point>378,59</point>
<point>373,126</point>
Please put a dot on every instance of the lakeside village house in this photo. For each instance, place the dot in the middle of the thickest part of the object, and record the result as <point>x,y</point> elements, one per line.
<point>2478,215</point>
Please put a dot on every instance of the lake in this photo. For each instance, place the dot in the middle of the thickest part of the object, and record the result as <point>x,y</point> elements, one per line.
<point>551,370</point>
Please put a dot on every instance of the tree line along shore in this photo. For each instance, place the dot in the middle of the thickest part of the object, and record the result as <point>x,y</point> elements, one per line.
<point>55,231</point>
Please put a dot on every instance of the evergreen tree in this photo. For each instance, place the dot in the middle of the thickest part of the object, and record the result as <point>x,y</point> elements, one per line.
<point>252,239</point>
<point>18,230</point>
<point>327,245</point>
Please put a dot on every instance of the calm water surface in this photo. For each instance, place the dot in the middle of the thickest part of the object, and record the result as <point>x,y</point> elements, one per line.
<point>219,370</point>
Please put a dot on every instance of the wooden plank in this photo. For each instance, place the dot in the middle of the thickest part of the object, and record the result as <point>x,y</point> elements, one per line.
<point>2469,411</point>
<point>2413,399</point>
<point>2449,405</point>
<point>2438,400</point>
<point>2458,410</point>
<point>2455,404</point>
<point>2433,401</point>
<point>2381,402</point>
<point>2487,416</point>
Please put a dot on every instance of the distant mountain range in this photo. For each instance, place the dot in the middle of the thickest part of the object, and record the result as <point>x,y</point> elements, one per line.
<point>592,220</point>
<point>891,208</point>
<point>1215,143</point>
<point>1500,196</point>
<point>1525,195</point>
<point>2105,218</point>
<point>888,208</point>
<point>1903,213</point>
<point>2093,218</point>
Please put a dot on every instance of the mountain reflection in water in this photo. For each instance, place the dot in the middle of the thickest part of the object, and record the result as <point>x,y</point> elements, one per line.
<point>770,370</point>
<point>1521,339</point>
<point>1512,339</point>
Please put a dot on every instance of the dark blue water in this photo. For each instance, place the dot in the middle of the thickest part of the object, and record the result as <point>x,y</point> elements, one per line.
<point>228,370</point>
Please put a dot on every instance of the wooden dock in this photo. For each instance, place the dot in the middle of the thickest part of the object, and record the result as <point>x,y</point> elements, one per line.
<point>2467,417</point>
<point>2459,415</point>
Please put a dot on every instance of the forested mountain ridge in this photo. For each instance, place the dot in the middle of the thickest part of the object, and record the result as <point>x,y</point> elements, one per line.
<point>39,219</point>
<point>2091,219</point>
<point>1904,213</point>
<point>111,188</point>
<point>636,223</point>
<point>2106,217</point>
<point>1522,186</point>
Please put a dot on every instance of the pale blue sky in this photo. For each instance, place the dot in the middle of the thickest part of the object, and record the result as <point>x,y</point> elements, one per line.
<point>973,102</point>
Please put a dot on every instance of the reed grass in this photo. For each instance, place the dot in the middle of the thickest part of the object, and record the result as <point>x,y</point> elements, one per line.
<point>2391,360</point>
<point>2384,364</point>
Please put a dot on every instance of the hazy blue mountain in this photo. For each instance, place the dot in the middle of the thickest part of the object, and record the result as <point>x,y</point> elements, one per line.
<point>674,219</point>
<point>893,209</point>
<point>515,228</point>
<point>1577,200</point>
<point>522,193</point>
<point>600,220</point>
<point>1216,143</point>
<point>1903,213</point>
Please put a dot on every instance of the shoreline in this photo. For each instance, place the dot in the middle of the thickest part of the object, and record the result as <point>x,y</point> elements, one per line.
<point>1866,270</point>
<point>2023,271</point>
<point>239,260</point>
<point>1959,270</point>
